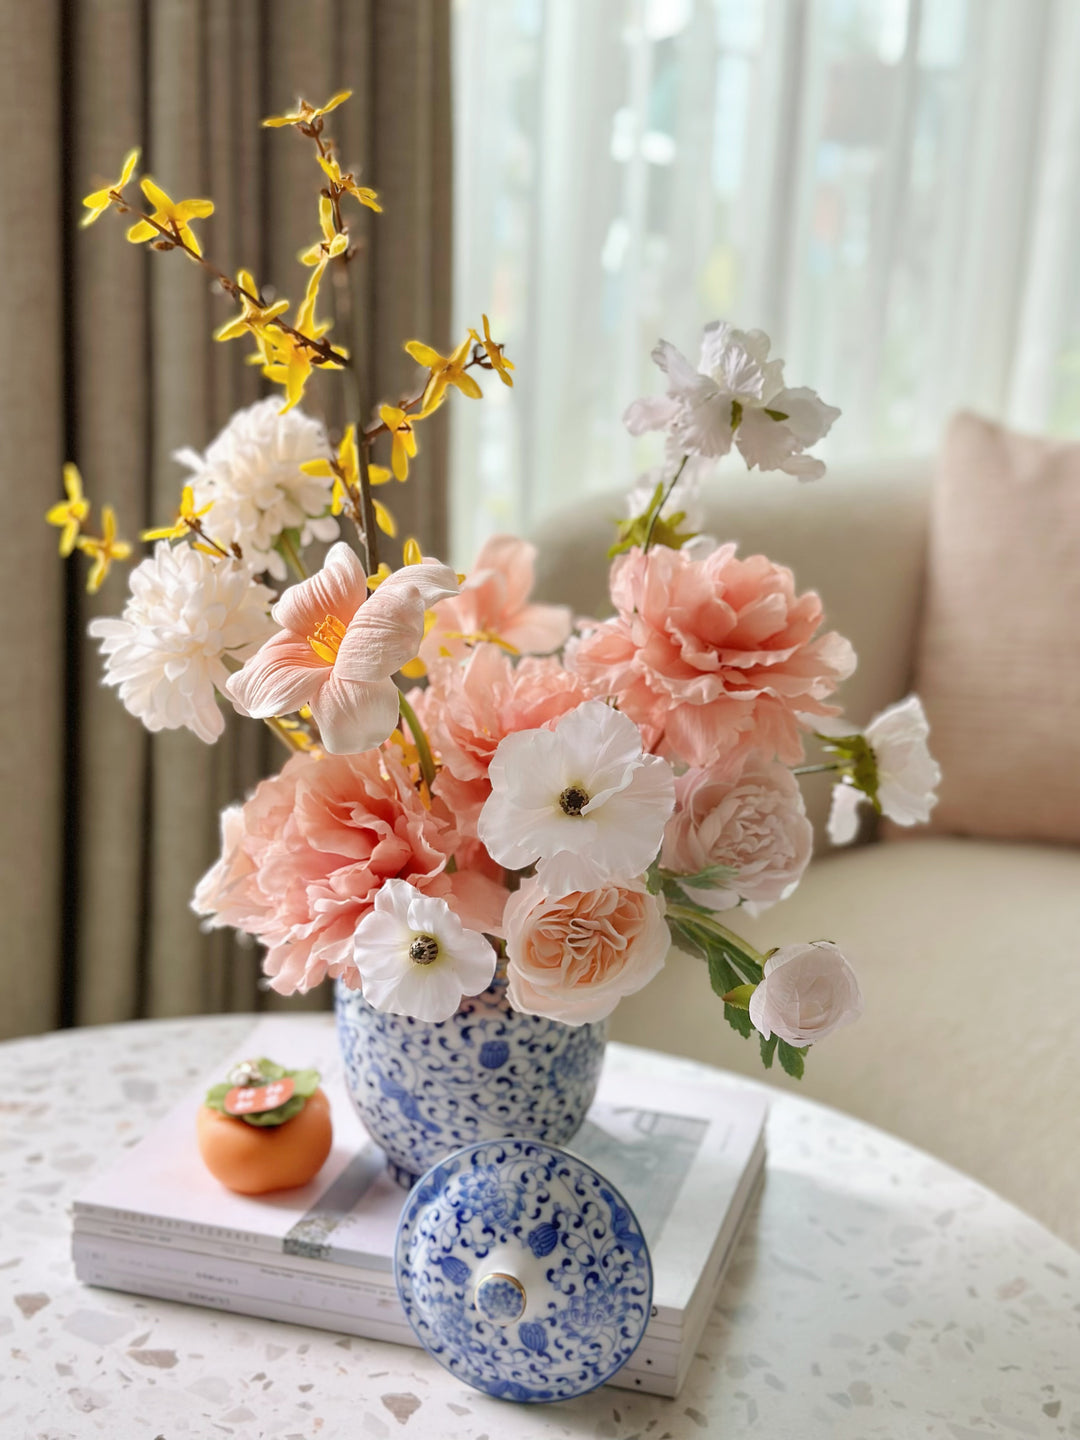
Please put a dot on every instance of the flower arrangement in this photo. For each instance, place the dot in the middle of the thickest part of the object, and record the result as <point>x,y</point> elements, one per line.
<point>477,783</point>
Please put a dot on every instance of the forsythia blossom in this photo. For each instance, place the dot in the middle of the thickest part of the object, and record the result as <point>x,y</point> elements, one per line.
<point>251,476</point>
<point>187,613</point>
<point>736,395</point>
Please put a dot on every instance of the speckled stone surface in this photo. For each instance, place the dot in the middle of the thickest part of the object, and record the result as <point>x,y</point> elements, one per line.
<point>875,1293</point>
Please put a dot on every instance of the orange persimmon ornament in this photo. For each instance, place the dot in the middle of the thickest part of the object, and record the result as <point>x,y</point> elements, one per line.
<point>264,1128</point>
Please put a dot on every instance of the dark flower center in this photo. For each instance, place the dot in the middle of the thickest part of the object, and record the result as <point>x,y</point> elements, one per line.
<point>573,800</point>
<point>424,949</point>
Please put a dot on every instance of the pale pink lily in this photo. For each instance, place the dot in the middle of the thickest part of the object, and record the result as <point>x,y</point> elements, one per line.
<point>493,606</point>
<point>338,648</point>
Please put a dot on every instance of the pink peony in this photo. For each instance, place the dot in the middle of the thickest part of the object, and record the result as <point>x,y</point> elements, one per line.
<point>713,656</point>
<point>306,855</point>
<point>492,605</point>
<point>467,709</point>
<point>575,957</point>
<point>747,817</point>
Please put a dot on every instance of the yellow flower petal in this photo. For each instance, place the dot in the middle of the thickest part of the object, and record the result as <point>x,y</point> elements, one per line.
<point>385,521</point>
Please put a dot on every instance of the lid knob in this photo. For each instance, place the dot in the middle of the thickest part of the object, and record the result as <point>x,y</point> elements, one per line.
<point>500,1298</point>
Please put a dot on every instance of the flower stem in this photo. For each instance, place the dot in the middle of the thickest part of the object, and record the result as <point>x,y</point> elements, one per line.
<point>663,501</point>
<point>692,916</point>
<point>819,769</point>
<point>283,735</point>
<point>423,749</point>
<point>292,555</point>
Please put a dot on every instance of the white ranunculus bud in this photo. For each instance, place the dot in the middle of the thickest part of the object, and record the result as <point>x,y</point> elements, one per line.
<point>808,991</point>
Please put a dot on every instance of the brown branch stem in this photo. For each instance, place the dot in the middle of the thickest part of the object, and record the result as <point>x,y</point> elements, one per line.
<point>322,348</point>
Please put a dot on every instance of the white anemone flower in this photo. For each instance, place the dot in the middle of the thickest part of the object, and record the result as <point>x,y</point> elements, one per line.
<point>416,958</point>
<point>905,775</point>
<point>735,396</point>
<point>188,613</point>
<point>251,476</point>
<point>580,800</point>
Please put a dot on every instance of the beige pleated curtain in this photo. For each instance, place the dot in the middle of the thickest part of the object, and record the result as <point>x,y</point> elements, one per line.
<point>108,361</point>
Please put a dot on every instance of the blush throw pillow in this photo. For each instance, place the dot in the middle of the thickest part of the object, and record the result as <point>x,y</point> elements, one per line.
<point>998,664</point>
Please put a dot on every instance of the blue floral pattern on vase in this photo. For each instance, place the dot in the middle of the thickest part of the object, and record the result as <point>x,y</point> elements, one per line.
<point>519,1216</point>
<point>424,1090</point>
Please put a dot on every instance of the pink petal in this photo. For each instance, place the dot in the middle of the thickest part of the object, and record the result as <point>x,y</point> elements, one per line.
<point>338,589</point>
<point>280,677</point>
<point>514,561</point>
<point>354,715</point>
<point>538,629</point>
<point>431,580</point>
<point>384,634</point>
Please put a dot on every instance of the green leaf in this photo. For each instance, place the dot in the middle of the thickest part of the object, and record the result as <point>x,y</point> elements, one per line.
<point>740,996</point>
<point>306,1082</point>
<point>292,1107</point>
<point>215,1096</point>
<point>738,1020</point>
<point>652,527</point>
<point>791,1059</point>
<point>768,1050</point>
<point>775,414</point>
<point>685,940</point>
<point>721,976</point>
<point>860,765</point>
<point>711,878</point>
<point>271,1069</point>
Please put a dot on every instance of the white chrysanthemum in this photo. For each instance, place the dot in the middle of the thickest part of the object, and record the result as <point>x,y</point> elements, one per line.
<point>251,476</point>
<point>416,958</point>
<point>187,613</point>
<point>579,799</point>
<point>906,775</point>
<point>735,396</point>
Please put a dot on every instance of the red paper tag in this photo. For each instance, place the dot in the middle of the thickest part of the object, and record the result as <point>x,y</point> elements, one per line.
<point>254,1099</point>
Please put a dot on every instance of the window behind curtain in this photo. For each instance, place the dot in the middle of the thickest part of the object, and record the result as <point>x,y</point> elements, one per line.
<point>889,187</point>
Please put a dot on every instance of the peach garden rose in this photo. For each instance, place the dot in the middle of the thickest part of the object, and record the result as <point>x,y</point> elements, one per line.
<point>746,817</point>
<point>575,957</point>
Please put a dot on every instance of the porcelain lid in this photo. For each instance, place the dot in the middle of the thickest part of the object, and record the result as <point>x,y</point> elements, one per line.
<point>523,1271</point>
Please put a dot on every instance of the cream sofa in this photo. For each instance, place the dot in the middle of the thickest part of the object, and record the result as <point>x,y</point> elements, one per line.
<point>968,951</point>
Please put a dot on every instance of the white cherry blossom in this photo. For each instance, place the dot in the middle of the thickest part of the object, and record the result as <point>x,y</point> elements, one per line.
<point>736,395</point>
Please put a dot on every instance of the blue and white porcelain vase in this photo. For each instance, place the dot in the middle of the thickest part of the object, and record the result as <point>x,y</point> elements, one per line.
<point>424,1090</point>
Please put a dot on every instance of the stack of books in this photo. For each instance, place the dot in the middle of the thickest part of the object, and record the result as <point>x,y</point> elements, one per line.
<point>687,1156</point>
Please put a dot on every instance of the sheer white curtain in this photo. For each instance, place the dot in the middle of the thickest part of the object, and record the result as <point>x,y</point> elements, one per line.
<point>889,187</point>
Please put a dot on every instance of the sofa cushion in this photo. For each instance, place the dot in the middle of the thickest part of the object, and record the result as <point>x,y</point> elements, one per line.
<point>968,953</point>
<point>998,666</point>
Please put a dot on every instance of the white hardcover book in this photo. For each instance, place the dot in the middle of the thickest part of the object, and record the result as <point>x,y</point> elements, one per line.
<point>685,1156</point>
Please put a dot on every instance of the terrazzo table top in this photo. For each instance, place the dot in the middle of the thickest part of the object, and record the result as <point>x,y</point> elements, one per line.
<point>874,1293</point>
